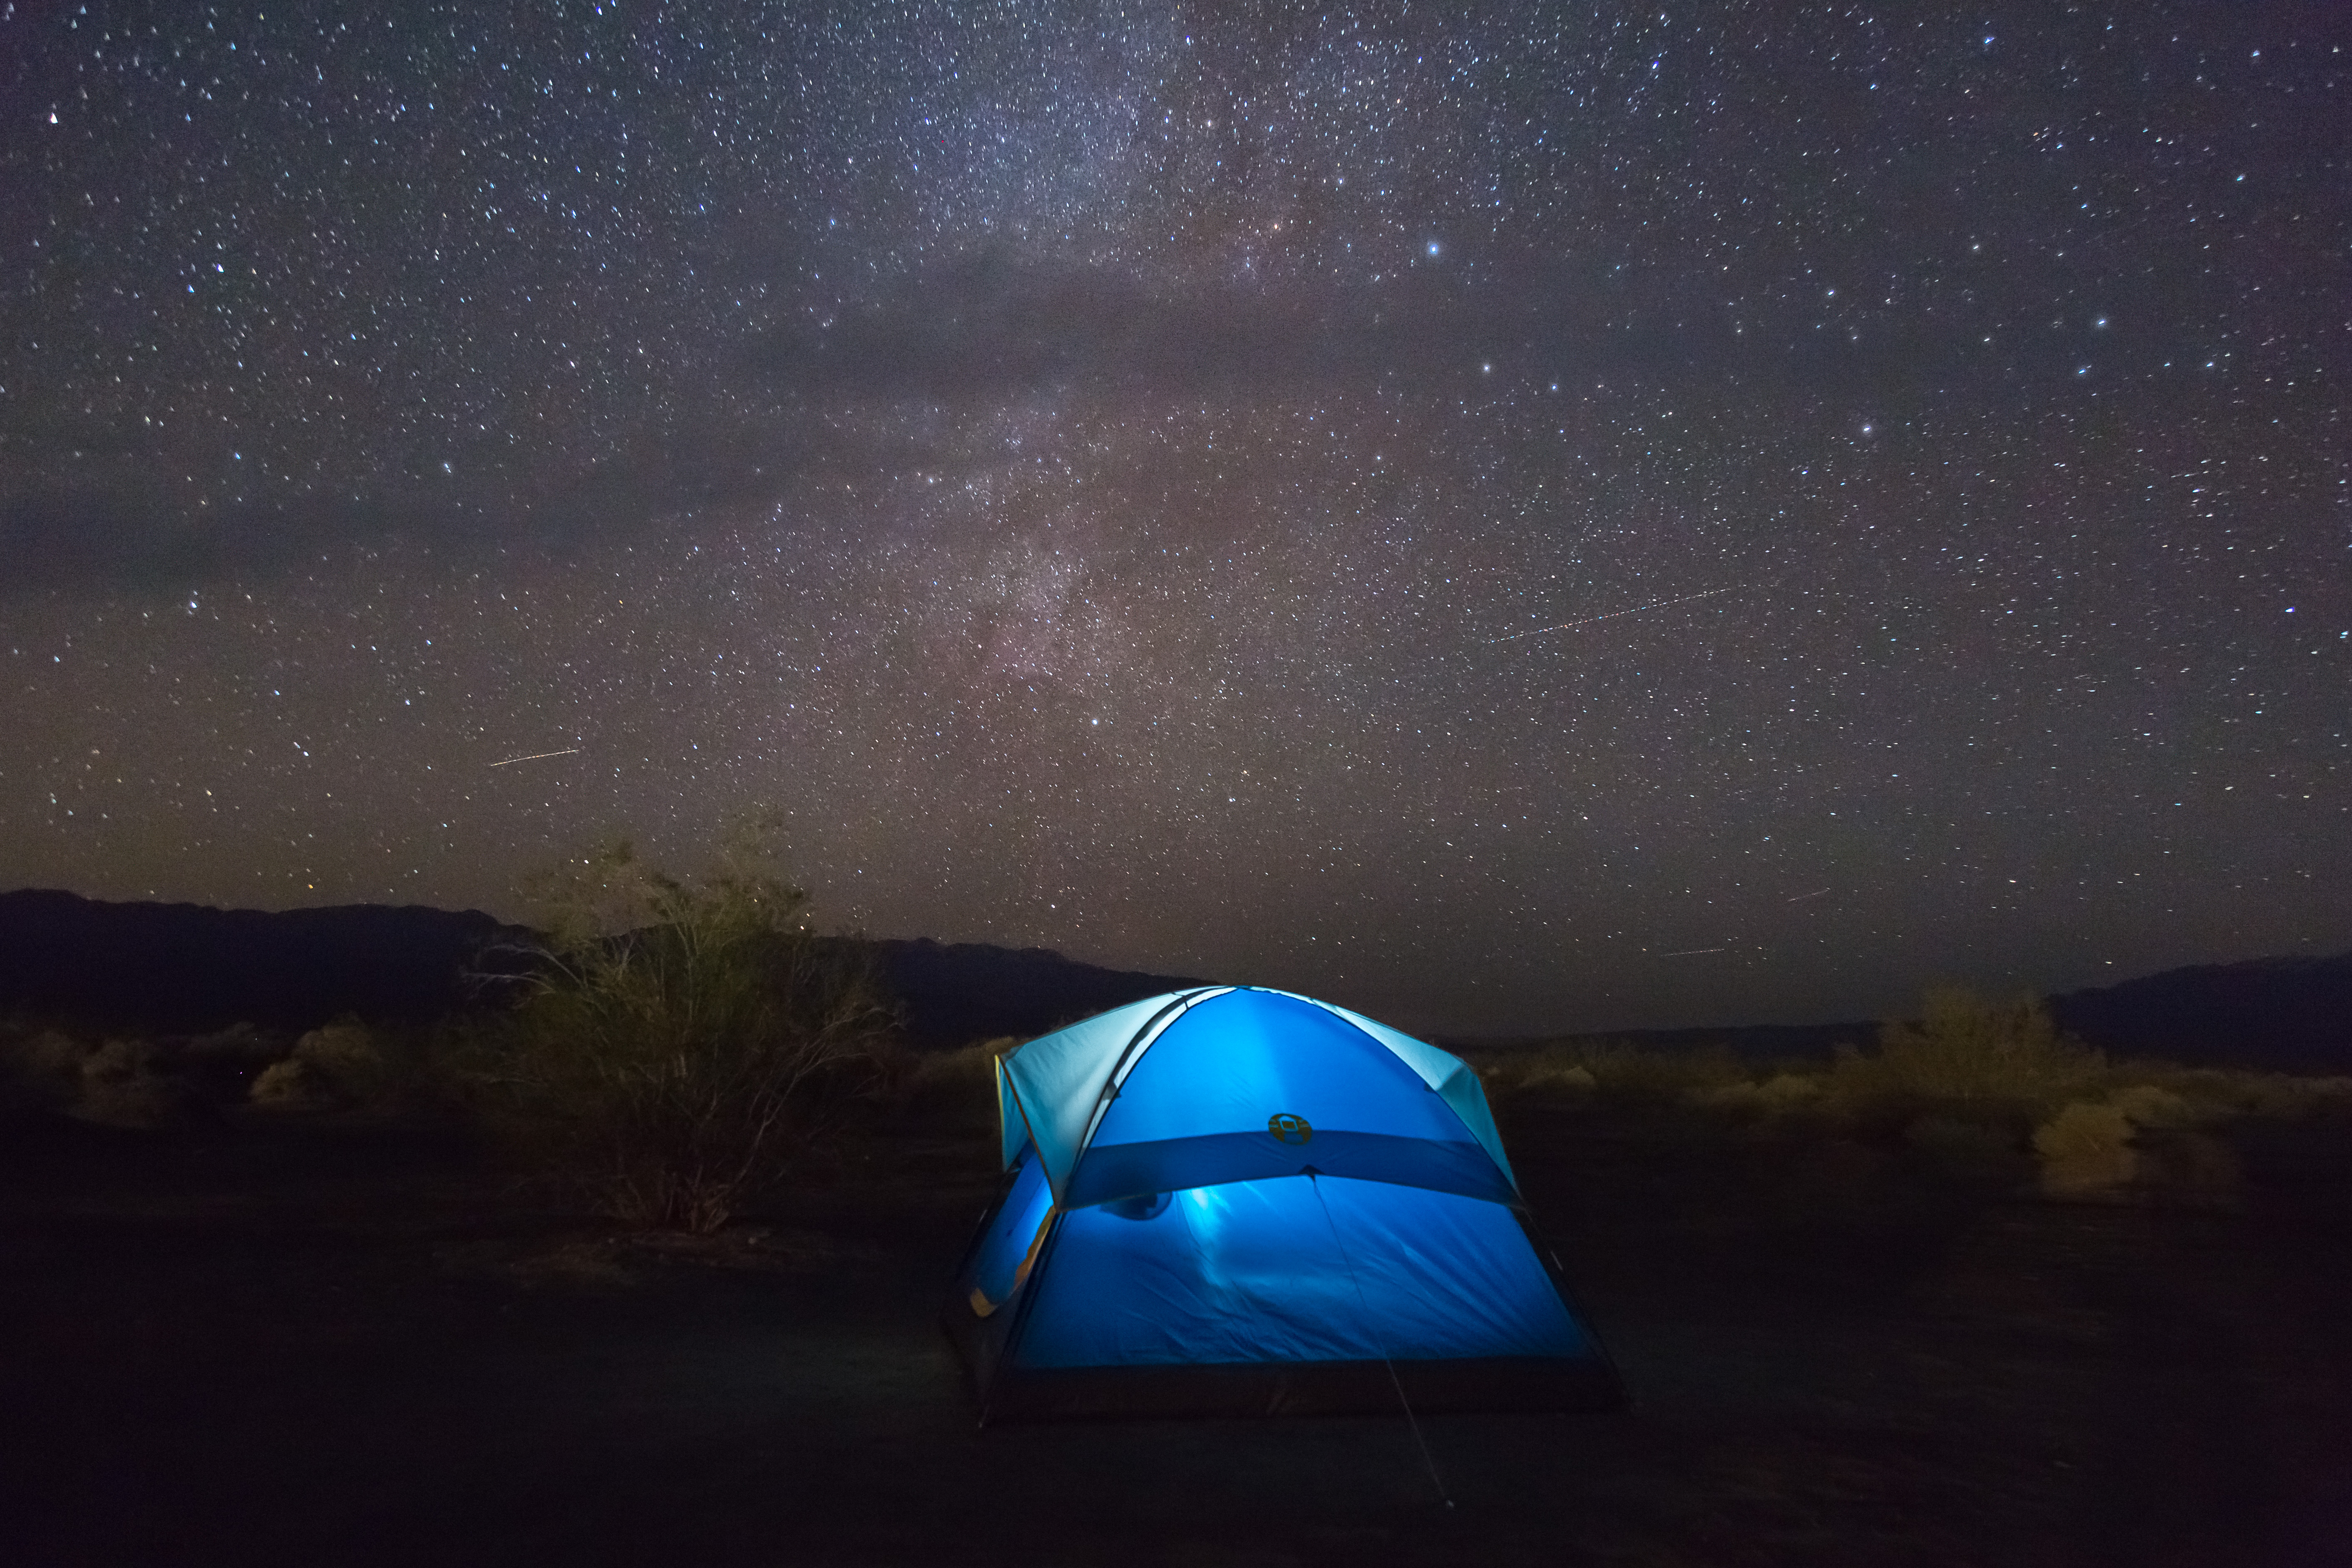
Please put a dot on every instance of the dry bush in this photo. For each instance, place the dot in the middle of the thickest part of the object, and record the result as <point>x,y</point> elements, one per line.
<point>1576,1079</point>
<point>2193,1166</point>
<point>1991,1060</point>
<point>2087,1149</point>
<point>2286,1097</point>
<point>1613,1068</point>
<point>339,1064</point>
<point>122,1086</point>
<point>1636,1074</point>
<point>2148,1105</point>
<point>1777,1095</point>
<point>2192,1097</point>
<point>681,1043</point>
<point>1545,1073</point>
<point>342,1051</point>
<point>1789,1090</point>
<point>50,1055</point>
<point>965,1073</point>
<point>955,1088</point>
<point>1505,1073</point>
<point>2177,1159</point>
<point>282,1084</point>
<point>40,1070</point>
<point>1542,1064</point>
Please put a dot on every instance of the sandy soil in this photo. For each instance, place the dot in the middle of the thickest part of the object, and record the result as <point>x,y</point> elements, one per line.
<point>278,1340</point>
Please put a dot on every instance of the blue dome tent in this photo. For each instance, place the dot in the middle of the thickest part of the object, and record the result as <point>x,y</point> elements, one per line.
<point>1237,1200</point>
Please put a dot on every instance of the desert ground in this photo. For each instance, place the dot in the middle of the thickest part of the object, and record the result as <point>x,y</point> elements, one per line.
<point>334,1337</point>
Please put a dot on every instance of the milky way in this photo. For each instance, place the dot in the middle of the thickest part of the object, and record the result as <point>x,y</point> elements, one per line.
<point>1508,518</point>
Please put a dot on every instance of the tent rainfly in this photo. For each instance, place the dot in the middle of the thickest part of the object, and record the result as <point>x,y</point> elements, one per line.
<point>1232,1200</point>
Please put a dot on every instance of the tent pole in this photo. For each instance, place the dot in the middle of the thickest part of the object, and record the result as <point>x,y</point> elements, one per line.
<point>1420,1442</point>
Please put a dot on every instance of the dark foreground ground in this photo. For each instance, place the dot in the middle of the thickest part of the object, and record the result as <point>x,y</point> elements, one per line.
<point>281,1341</point>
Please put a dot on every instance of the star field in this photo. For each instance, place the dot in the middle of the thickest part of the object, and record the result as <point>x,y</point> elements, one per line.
<point>1509,517</point>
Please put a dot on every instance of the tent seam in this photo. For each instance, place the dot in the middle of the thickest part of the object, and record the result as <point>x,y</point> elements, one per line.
<point>1159,1024</point>
<point>1502,1167</point>
<point>1006,1080</point>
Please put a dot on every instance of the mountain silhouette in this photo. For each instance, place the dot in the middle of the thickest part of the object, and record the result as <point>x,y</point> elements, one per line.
<point>190,969</point>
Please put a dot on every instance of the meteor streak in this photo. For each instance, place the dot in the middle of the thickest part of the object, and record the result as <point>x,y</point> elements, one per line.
<point>568,751</point>
<point>1612,615</point>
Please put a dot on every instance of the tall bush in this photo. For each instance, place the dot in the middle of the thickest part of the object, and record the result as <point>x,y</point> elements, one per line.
<point>679,1042</point>
<point>1968,1051</point>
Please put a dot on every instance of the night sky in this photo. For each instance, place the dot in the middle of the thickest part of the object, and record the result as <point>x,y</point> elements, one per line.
<point>1511,518</point>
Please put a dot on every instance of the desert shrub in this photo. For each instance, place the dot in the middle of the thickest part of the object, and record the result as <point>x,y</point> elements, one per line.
<point>1995,1059</point>
<point>1663,1075</point>
<point>2085,1149</point>
<point>1546,1067</point>
<point>2196,1166</point>
<point>2285,1097</point>
<point>1743,1097</point>
<point>122,1085</point>
<point>955,1087</point>
<point>40,1070</point>
<point>1614,1069</point>
<point>2151,1105</point>
<point>1575,1079</point>
<point>1775,1096</point>
<point>343,1050</point>
<point>49,1054</point>
<point>680,1042</point>
<point>338,1065</point>
<point>282,1083</point>
<point>1787,1090</point>
<point>1502,1073</point>
<point>971,1069</point>
<point>2162,1094</point>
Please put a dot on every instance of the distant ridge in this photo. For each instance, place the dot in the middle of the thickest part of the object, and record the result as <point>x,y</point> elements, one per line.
<point>2289,1014</point>
<point>970,990</point>
<point>190,969</point>
<point>1754,1041</point>
<point>2283,1015</point>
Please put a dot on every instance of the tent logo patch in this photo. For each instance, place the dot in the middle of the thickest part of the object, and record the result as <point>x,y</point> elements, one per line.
<point>1288,1128</point>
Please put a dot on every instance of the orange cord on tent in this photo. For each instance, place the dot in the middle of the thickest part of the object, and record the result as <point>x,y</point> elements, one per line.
<point>1395,1381</point>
